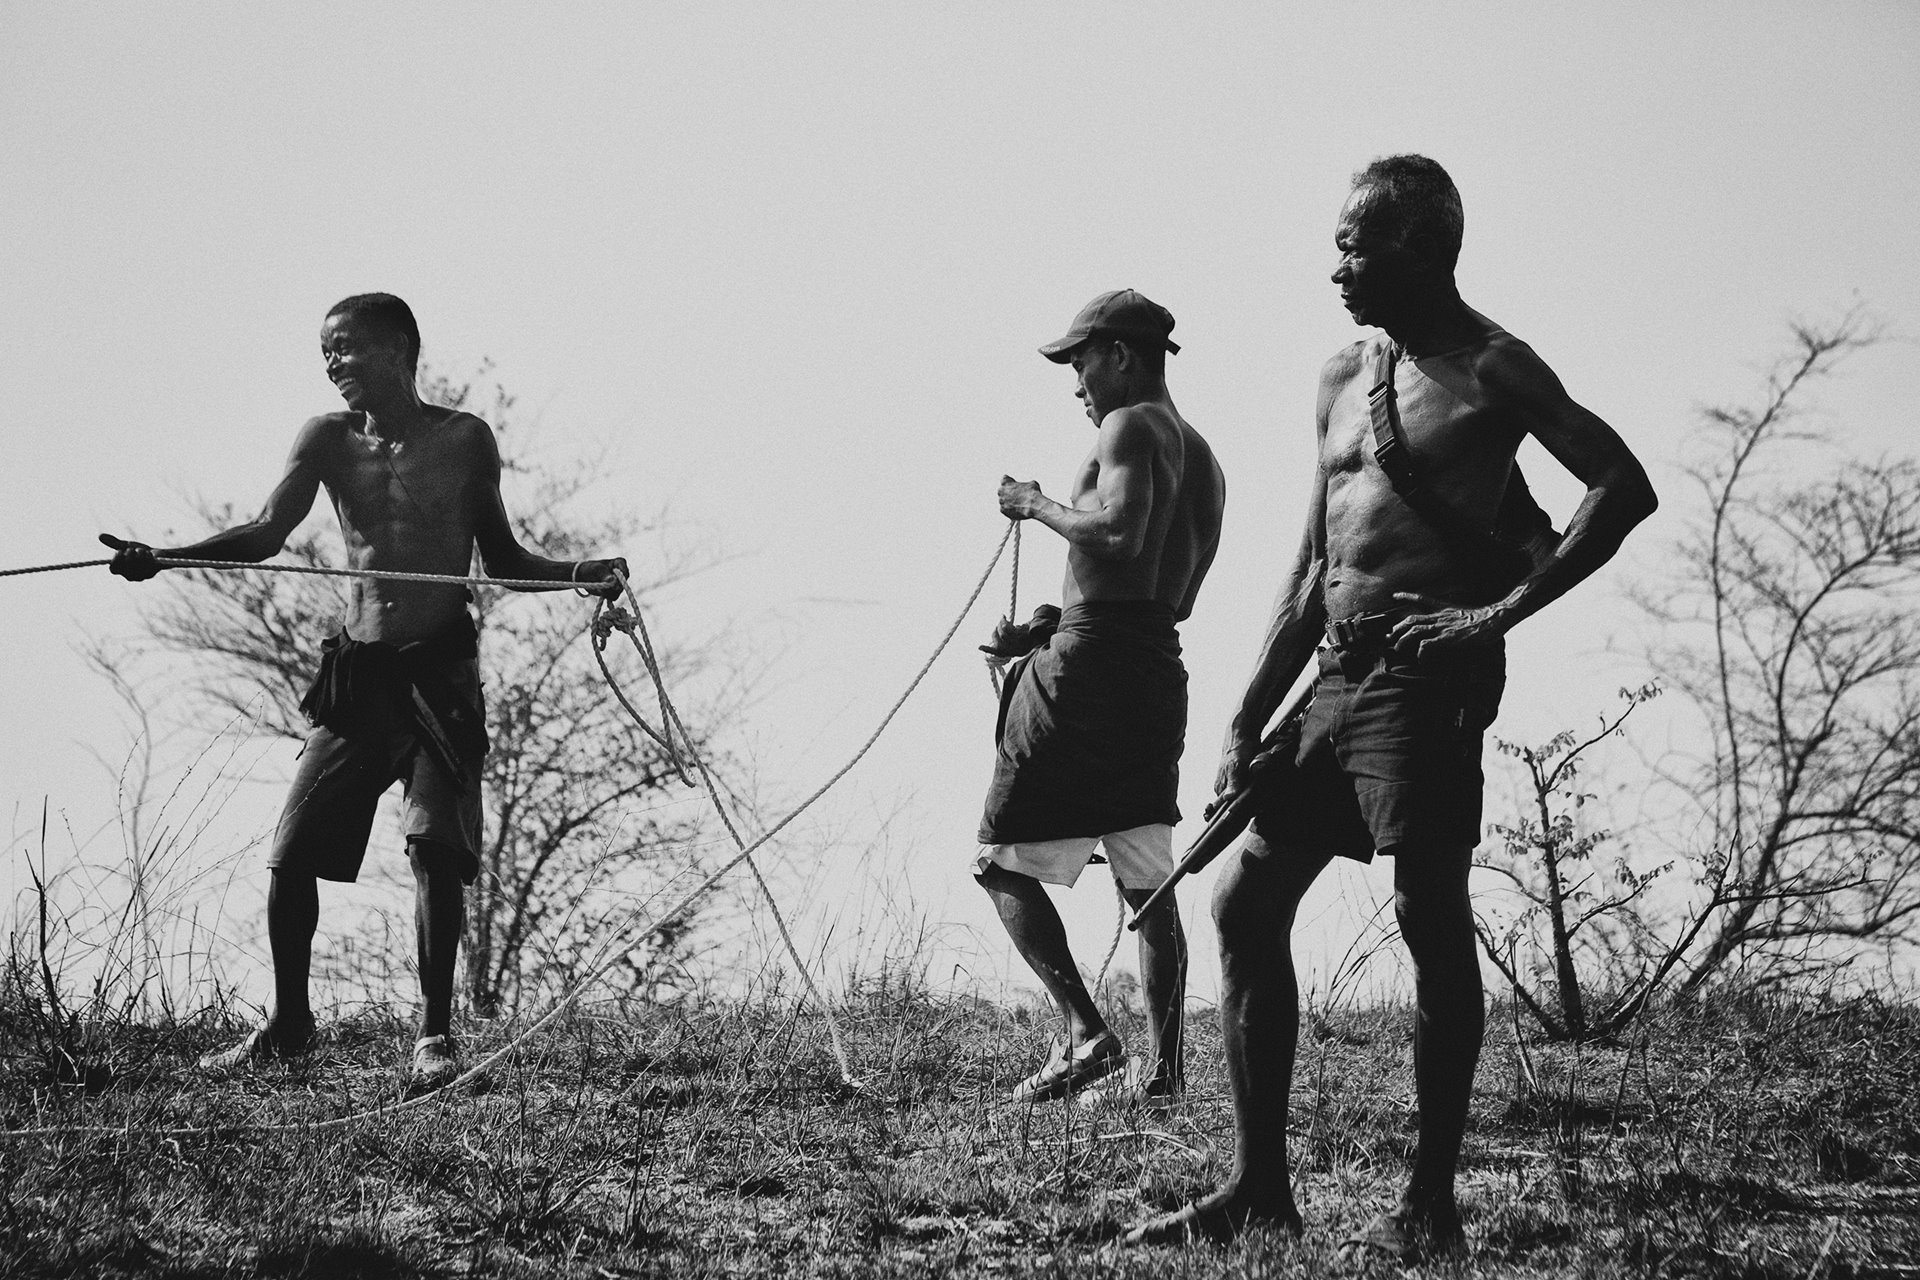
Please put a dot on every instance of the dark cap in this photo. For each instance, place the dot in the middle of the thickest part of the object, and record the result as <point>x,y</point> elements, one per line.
<point>1121,314</point>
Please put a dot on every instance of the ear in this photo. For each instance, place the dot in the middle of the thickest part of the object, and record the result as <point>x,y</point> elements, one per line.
<point>1425,250</point>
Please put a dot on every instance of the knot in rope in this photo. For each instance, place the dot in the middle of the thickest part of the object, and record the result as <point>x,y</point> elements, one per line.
<point>610,618</point>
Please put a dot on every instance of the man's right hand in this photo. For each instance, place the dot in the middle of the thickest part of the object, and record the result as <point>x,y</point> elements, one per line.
<point>1231,778</point>
<point>1018,639</point>
<point>134,561</point>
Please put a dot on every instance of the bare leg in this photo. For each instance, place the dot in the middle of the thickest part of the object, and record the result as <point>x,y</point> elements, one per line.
<point>439,906</point>
<point>1436,920</point>
<point>1041,939</point>
<point>293,913</point>
<point>1163,970</point>
<point>1253,907</point>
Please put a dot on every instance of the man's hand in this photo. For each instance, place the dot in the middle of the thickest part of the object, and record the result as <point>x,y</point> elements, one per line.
<point>1439,628</point>
<point>1019,499</point>
<point>1018,639</point>
<point>598,577</point>
<point>1231,778</point>
<point>133,561</point>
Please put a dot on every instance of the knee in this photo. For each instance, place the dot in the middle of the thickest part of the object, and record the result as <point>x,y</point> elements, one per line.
<point>437,863</point>
<point>1248,916</point>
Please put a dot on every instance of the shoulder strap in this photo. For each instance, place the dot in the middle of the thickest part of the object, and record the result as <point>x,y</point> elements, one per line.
<point>1501,561</point>
<point>1389,446</point>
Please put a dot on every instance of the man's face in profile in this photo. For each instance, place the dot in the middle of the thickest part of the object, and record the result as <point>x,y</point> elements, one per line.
<point>1100,384</point>
<point>1376,271</point>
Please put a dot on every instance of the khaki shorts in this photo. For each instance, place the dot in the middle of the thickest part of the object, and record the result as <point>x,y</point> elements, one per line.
<point>1141,857</point>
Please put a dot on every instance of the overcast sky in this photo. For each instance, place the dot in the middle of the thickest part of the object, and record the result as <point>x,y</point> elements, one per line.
<point>788,264</point>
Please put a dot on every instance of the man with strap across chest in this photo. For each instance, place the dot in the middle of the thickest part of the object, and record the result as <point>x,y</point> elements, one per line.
<point>416,488</point>
<point>1421,550</point>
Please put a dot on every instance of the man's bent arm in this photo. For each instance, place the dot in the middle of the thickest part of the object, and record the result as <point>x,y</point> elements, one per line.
<point>1619,496</point>
<point>500,552</point>
<point>1115,527</point>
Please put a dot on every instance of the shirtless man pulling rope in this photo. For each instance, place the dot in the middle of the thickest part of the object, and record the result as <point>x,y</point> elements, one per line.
<point>416,488</point>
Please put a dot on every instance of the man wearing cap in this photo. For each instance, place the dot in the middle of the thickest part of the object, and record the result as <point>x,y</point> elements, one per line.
<point>1402,579</point>
<point>1093,717</point>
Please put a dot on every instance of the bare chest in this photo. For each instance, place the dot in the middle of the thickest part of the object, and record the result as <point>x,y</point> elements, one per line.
<point>421,483</point>
<point>1446,424</point>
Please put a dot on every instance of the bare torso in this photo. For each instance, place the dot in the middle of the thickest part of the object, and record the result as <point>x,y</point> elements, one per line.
<point>1462,440</point>
<point>410,505</point>
<point>1182,528</point>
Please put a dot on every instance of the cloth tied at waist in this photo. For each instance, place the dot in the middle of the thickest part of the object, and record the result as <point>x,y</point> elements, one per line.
<point>371,688</point>
<point>1091,727</point>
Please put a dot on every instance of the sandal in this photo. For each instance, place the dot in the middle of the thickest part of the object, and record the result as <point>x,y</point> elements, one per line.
<point>1067,1073</point>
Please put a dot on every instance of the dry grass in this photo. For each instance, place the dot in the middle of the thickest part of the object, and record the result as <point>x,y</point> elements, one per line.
<point>1742,1137</point>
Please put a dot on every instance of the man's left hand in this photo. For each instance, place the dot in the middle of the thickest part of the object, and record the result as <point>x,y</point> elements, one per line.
<point>1018,498</point>
<point>1437,628</point>
<point>597,577</point>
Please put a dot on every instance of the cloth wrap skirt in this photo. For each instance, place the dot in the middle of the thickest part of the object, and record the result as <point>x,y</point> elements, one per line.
<point>1090,729</point>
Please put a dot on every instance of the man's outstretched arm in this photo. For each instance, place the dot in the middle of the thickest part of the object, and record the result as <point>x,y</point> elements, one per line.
<point>501,553</point>
<point>256,539</point>
<point>1115,526</point>
<point>1619,496</point>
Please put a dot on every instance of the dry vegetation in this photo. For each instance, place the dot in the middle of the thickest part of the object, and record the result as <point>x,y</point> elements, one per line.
<point>1737,1136</point>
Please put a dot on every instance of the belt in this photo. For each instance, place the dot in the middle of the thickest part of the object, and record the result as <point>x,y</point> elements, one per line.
<point>1362,630</point>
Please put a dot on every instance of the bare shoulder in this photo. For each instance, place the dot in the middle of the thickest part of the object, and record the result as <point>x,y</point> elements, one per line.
<point>1336,375</point>
<point>1507,369</point>
<point>1344,366</point>
<point>468,434</point>
<point>320,436</point>
<point>458,421</point>
<point>1138,428</point>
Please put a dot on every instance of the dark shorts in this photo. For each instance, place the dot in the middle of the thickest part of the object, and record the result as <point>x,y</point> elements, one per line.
<point>1389,756</point>
<point>337,788</point>
<point>1090,730</point>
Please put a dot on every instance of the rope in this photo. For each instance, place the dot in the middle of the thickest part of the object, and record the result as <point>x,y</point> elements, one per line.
<point>1013,600</point>
<point>1119,928</point>
<point>390,575</point>
<point>573,996</point>
<point>53,568</point>
<point>635,629</point>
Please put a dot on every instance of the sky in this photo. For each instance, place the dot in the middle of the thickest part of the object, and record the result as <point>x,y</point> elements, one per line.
<point>784,269</point>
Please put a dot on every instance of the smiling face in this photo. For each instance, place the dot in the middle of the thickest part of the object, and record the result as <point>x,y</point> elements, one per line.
<point>1099,368</point>
<point>1377,272</point>
<point>367,365</point>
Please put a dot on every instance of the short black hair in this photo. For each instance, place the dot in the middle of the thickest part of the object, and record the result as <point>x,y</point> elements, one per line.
<point>1418,199</point>
<point>386,313</point>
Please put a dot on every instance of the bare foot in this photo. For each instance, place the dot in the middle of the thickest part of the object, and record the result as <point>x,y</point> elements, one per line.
<point>265,1044</point>
<point>1219,1218</point>
<point>1409,1233</point>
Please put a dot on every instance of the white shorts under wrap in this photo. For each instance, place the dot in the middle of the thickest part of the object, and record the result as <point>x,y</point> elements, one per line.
<point>1141,857</point>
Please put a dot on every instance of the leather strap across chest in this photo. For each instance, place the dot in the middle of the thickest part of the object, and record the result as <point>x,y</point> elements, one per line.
<point>1500,562</point>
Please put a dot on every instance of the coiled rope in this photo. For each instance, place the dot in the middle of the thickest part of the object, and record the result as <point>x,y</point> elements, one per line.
<point>572,996</point>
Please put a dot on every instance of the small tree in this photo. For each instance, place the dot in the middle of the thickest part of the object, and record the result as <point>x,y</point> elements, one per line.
<point>1791,623</point>
<point>1581,915</point>
<point>579,821</point>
